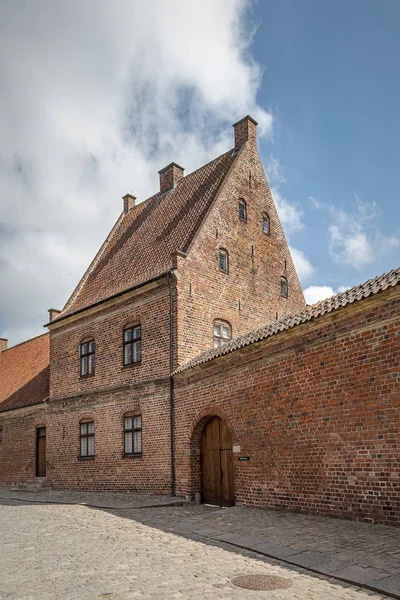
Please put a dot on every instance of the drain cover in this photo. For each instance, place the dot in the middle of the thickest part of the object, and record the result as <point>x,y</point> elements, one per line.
<point>262,582</point>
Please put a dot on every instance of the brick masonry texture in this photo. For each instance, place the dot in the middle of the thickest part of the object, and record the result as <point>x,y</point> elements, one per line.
<point>316,409</point>
<point>311,397</point>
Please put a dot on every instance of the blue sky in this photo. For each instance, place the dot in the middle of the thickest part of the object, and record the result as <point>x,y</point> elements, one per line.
<point>331,79</point>
<point>96,97</point>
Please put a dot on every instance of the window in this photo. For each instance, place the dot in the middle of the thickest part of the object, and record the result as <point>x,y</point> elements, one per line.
<point>133,345</point>
<point>242,211</point>
<point>133,436</point>
<point>87,440</point>
<point>1,435</point>
<point>223,261</point>
<point>266,224</point>
<point>284,287</point>
<point>222,333</point>
<point>87,358</point>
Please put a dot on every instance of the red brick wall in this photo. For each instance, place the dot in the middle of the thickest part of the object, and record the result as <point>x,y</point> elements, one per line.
<point>110,470</point>
<point>249,296</point>
<point>150,309</point>
<point>317,409</point>
<point>18,447</point>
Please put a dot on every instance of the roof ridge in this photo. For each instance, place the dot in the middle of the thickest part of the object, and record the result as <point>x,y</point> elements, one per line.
<point>308,313</point>
<point>24,342</point>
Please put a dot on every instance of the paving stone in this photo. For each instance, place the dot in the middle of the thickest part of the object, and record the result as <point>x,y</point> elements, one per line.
<point>358,574</point>
<point>391,584</point>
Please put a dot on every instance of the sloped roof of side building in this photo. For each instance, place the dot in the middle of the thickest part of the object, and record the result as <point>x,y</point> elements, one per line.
<point>355,294</point>
<point>24,373</point>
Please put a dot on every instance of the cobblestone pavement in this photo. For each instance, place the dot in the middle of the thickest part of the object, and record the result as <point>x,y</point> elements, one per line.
<point>51,552</point>
<point>358,552</point>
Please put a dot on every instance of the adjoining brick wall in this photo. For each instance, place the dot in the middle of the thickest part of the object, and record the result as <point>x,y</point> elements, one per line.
<point>110,469</point>
<point>317,410</point>
<point>18,446</point>
<point>248,296</point>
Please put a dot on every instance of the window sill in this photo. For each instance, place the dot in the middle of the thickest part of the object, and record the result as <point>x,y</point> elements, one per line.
<point>85,458</point>
<point>86,376</point>
<point>135,455</point>
<point>133,364</point>
<point>224,272</point>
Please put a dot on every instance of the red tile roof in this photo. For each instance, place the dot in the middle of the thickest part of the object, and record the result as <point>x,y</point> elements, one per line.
<point>24,373</point>
<point>356,293</point>
<point>140,246</point>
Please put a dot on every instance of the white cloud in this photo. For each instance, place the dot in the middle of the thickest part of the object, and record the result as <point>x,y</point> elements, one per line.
<point>316,293</point>
<point>355,238</point>
<point>290,214</point>
<point>303,266</point>
<point>94,101</point>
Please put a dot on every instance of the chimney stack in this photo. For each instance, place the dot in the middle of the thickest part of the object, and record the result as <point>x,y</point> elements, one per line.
<point>129,202</point>
<point>169,177</point>
<point>245,129</point>
<point>3,344</point>
<point>53,313</point>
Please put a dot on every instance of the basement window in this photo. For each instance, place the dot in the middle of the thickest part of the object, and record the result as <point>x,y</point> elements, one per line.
<point>133,436</point>
<point>284,287</point>
<point>242,211</point>
<point>222,333</point>
<point>87,439</point>
<point>223,260</point>
<point>133,345</point>
<point>87,350</point>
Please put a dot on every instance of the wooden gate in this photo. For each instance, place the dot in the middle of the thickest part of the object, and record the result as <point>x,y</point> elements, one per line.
<point>41,452</point>
<point>216,459</point>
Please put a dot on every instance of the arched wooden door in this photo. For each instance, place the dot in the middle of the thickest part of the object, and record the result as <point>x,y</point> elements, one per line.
<point>216,460</point>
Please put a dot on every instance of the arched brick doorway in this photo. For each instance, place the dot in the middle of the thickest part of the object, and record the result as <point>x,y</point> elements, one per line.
<point>216,464</point>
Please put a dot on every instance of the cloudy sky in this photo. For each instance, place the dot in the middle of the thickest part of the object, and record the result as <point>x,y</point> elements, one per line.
<point>96,97</point>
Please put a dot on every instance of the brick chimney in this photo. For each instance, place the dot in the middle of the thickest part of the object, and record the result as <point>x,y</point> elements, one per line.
<point>169,177</point>
<point>53,313</point>
<point>129,202</point>
<point>3,344</point>
<point>245,129</point>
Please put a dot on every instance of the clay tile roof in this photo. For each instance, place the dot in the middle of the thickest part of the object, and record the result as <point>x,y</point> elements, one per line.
<point>356,293</point>
<point>140,246</point>
<point>24,373</point>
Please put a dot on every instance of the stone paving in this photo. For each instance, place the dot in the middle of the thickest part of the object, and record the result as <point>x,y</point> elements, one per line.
<point>54,551</point>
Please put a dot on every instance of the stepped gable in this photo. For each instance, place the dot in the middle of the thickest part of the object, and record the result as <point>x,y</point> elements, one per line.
<point>24,373</point>
<point>356,293</point>
<point>141,243</point>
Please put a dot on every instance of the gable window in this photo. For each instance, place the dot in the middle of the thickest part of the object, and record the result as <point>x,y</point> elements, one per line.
<point>133,345</point>
<point>242,211</point>
<point>1,435</point>
<point>87,358</point>
<point>87,439</point>
<point>223,261</point>
<point>284,287</point>
<point>266,224</point>
<point>222,333</point>
<point>133,436</point>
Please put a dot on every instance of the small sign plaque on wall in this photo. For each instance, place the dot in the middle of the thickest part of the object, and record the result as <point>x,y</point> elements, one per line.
<point>243,457</point>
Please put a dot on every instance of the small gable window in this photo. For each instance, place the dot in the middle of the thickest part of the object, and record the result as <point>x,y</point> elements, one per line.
<point>87,439</point>
<point>1,435</point>
<point>223,260</point>
<point>133,436</point>
<point>222,333</point>
<point>133,345</point>
<point>266,224</point>
<point>87,350</point>
<point>284,287</point>
<point>242,211</point>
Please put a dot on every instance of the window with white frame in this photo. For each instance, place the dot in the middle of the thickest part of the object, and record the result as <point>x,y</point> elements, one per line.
<point>222,333</point>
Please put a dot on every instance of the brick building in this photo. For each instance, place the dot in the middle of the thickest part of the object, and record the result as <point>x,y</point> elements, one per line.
<point>270,402</point>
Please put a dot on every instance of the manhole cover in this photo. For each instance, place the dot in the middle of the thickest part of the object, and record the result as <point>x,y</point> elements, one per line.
<point>262,582</point>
